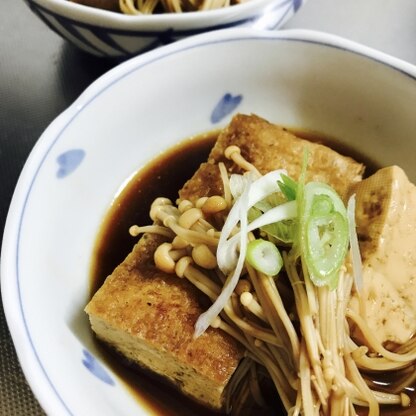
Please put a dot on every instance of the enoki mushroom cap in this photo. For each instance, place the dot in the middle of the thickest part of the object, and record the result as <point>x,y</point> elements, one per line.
<point>163,260</point>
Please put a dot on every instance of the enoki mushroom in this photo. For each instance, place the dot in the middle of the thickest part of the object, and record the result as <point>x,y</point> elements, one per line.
<point>297,331</point>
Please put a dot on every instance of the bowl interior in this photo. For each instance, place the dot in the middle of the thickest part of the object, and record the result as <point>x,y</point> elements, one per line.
<point>299,79</point>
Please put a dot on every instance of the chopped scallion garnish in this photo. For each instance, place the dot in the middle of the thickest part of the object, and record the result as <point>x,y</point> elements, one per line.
<point>323,232</point>
<point>264,256</point>
<point>288,187</point>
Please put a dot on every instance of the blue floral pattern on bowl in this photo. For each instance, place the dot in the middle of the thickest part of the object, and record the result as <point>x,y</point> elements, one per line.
<point>69,161</point>
<point>93,365</point>
<point>227,104</point>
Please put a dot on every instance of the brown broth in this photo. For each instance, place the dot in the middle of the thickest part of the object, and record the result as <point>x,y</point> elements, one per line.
<point>164,176</point>
<point>386,382</point>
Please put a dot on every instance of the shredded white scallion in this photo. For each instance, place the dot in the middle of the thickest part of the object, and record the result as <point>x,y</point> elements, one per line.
<point>206,318</point>
<point>259,188</point>
<point>231,251</point>
<point>355,248</point>
<point>282,212</point>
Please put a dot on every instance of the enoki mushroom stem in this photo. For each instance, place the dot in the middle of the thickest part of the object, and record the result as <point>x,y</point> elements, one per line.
<point>308,353</point>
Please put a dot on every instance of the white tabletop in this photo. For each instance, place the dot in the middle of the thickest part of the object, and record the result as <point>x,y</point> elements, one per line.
<point>386,25</point>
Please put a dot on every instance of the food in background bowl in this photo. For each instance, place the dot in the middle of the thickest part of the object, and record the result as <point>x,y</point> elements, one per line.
<point>266,231</point>
<point>155,6</point>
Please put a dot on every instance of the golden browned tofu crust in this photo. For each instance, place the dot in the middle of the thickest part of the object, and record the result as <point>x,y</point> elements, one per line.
<point>269,147</point>
<point>149,316</point>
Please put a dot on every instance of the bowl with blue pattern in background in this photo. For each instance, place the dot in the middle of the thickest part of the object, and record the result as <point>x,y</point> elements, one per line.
<point>111,34</point>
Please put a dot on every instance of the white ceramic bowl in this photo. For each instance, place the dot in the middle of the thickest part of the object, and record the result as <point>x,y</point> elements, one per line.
<point>298,78</point>
<point>106,33</point>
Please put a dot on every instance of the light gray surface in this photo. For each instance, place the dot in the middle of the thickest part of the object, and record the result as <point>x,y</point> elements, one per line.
<point>386,25</point>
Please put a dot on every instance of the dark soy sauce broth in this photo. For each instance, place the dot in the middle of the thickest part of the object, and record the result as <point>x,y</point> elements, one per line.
<point>164,176</point>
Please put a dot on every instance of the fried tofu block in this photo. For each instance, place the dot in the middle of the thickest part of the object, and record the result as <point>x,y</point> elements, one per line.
<point>149,316</point>
<point>269,147</point>
<point>386,227</point>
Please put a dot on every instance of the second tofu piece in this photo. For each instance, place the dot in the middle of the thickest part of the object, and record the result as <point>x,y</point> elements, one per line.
<point>386,226</point>
<point>268,147</point>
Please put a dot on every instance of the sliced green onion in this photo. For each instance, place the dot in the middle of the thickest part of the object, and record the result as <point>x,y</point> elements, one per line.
<point>288,187</point>
<point>264,256</point>
<point>322,205</point>
<point>231,253</point>
<point>315,193</point>
<point>284,231</point>
<point>257,190</point>
<point>324,233</point>
<point>300,188</point>
<point>326,241</point>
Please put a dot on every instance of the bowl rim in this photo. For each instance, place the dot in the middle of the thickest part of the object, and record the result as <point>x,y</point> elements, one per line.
<point>41,385</point>
<point>100,17</point>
